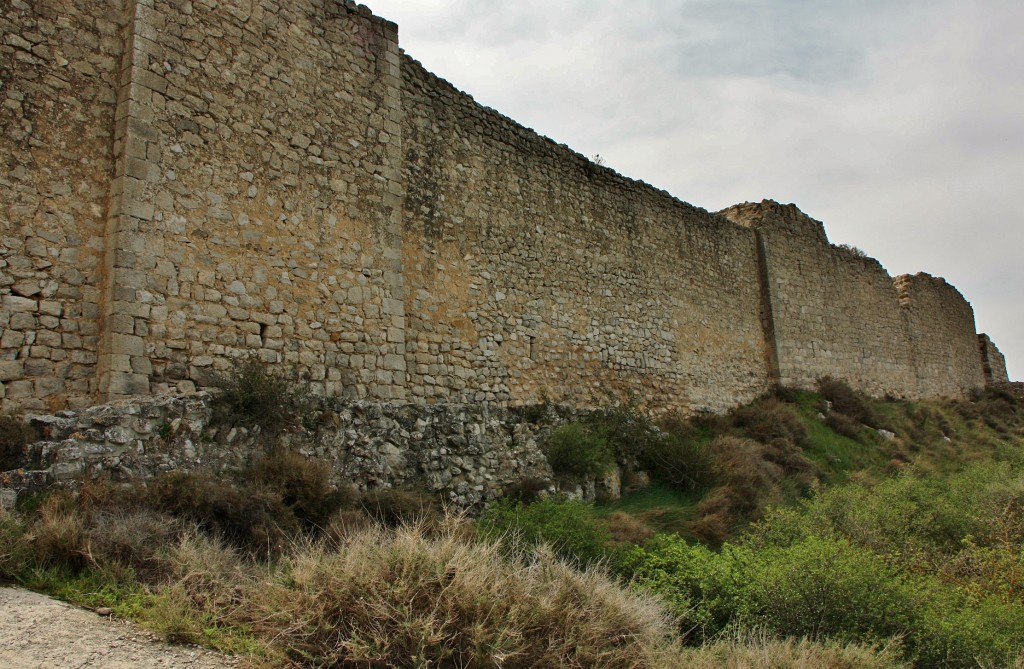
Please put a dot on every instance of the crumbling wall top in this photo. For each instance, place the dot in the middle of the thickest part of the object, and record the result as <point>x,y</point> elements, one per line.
<point>771,215</point>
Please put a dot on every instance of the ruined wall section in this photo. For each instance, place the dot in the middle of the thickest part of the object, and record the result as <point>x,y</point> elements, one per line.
<point>944,346</point>
<point>262,197</point>
<point>59,75</point>
<point>992,361</point>
<point>532,272</point>
<point>835,312</point>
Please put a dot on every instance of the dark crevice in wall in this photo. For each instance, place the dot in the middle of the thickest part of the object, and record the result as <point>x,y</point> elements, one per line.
<point>771,350</point>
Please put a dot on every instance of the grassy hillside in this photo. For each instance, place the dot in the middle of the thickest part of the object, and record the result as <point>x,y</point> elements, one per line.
<point>803,530</point>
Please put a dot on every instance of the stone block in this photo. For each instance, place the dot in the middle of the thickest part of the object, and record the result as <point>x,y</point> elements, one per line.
<point>393,307</point>
<point>127,344</point>
<point>11,370</point>
<point>394,362</point>
<point>123,383</point>
<point>18,304</point>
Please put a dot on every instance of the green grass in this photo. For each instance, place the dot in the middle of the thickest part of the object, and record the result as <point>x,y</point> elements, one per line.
<point>659,506</point>
<point>91,589</point>
<point>839,456</point>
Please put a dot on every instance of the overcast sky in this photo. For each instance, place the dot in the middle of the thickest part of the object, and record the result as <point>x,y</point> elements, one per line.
<point>898,123</point>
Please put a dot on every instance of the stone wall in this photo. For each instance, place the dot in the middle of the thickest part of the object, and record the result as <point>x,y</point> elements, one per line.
<point>186,182</point>
<point>59,75</point>
<point>835,312</point>
<point>532,272</point>
<point>943,343</point>
<point>262,199</point>
<point>463,454</point>
<point>993,362</point>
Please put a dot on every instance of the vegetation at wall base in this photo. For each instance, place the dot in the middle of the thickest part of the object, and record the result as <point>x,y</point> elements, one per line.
<point>15,437</point>
<point>254,392</point>
<point>797,545</point>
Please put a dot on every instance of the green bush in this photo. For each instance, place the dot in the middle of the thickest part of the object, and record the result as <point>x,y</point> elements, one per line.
<point>824,587</point>
<point>570,528</point>
<point>676,454</point>
<point>628,431</point>
<point>261,394</point>
<point>816,587</point>
<point>576,449</point>
<point>950,630</point>
<point>703,588</point>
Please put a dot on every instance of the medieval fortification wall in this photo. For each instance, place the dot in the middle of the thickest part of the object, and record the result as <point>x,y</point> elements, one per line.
<point>185,182</point>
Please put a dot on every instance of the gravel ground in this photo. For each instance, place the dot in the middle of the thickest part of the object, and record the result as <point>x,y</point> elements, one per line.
<point>37,632</point>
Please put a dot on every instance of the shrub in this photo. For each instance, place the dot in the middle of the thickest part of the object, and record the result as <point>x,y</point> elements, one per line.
<point>251,517</point>
<point>702,588</point>
<point>568,527</point>
<point>406,597</point>
<point>303,483</point>
<point>58,535</point>
<point>846,400</point>
<point>628,431</point>
<point>821,587</point>
<point>261,394</point>
<point>345,524</point>
<point>950,630</point>
<point>626,529</point>
<point>15,436</point>
<point>769,420</point>
<point>741,464</point>
<point>14,555</point>
<point>134,539</point>
<point>392,507</point>
<point>843,424</point>
<point>816,587</point>
<point>759,650</point>
<point>677,458</point>
<point>577,450</point>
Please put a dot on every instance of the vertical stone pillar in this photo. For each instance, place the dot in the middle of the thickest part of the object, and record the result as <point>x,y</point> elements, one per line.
<point>394,363</point>
<point>123,365</point>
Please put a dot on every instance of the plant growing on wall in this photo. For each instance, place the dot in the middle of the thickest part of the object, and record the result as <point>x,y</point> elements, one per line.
<point>575,449</point>
<point>258,393</point>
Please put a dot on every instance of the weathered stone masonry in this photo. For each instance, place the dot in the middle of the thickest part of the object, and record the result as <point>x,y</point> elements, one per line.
<point>184,182</point>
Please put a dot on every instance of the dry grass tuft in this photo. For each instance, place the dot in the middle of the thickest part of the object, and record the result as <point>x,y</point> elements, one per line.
<point>758,651</point>
<point>627,529</point>
<point>408,597</point>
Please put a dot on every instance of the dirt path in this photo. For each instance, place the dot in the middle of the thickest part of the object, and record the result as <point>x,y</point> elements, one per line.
<point>37,632</point>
